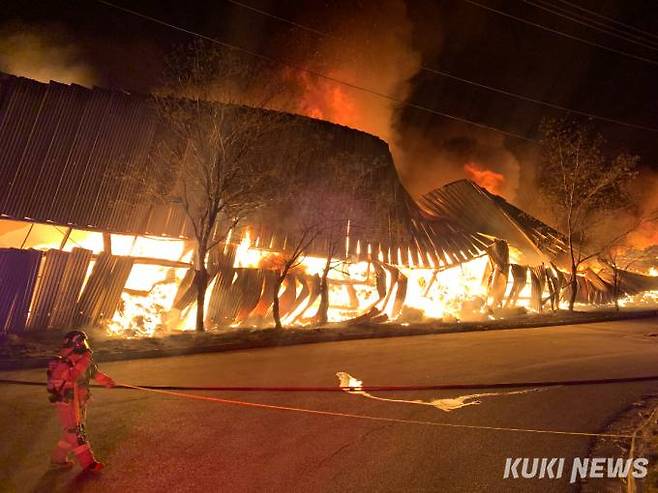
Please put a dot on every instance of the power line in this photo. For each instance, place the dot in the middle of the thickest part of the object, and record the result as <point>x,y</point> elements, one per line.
<point>522,97</point>
<point>314,72</point>
<point>541,102</point>
<point>563,34</point>
<point>282,19</point>
<point>604,24</point>
<point>589,24</point>
<point>610,19</point>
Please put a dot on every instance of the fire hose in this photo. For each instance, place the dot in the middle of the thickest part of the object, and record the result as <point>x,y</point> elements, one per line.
<point>372,418</point>
<point>377,388</point>
<point>173,391</point>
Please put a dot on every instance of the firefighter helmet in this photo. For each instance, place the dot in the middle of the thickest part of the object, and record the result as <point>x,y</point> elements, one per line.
<point>77,340</point>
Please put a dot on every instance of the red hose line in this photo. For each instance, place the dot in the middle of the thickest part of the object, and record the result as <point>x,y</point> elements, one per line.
<point>378,388</point>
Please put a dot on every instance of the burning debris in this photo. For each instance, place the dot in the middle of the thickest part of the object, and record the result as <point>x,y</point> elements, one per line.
<point>87,251</point>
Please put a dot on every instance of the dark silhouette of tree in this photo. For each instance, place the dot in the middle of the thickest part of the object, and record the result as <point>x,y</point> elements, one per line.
<point>215,159</point>
<point>582,186</point>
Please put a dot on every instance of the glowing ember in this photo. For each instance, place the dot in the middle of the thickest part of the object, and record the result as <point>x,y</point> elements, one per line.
<point>245,255</point>
<point>432,292</point>
<point>641,299</point>
<point>352,288</point>
<point>146,302</point>
<point>451,292</point>
<point>490,180</point>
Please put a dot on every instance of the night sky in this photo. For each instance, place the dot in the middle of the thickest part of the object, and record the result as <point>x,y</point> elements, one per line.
<point>382,46</point>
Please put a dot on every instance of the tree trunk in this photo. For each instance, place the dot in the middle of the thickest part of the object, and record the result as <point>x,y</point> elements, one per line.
<point>574,287</point>
<point>323,310</point>
<point>616,287</point>
<point>275,301</point>
<point>574,269</point>
<point>201,281</point>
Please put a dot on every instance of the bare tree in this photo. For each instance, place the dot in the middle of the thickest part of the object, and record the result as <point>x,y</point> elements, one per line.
<point>351,192</point>
<point>304,216</point>
<point>618,256</point>
<point>289,261</point>
<point>214,160</point>
<point>616,262</point>
<point>582,186</point>
<point>337,213</point>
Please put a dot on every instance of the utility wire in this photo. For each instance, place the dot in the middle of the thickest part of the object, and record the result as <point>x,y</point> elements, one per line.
<point>609,19</point>
<point>563,34</point>
<point>522,97</point>
<point>607,31</point>
<point>603,24</point>
<point>282,19</point>
<point>314,72</point>
<point>541,102</point>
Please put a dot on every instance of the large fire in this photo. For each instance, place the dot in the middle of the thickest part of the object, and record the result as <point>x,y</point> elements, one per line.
<point>322,98</point>
<point>146,302</point>
<point>382,285</point>
<point>325,99</point>
<point>645,236</point>
<point>432,293</point>
<point>486,178</point>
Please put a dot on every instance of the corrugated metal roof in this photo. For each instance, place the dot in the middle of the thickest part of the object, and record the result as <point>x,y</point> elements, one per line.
<point>60,143</point>
<point>63,146</point>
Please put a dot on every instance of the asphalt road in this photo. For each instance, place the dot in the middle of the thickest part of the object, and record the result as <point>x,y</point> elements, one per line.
<point>153,442</point>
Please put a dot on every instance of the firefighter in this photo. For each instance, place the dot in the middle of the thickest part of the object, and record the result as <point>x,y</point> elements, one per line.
<point>68,384</point>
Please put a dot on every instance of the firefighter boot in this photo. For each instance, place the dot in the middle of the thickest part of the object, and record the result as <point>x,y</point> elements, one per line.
<point>86,458</point>
<point>95,467</point>
<point>59,457</point>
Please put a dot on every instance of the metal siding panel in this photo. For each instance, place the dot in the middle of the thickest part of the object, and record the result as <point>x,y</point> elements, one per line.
<point>19,119</point>
<point>54,263</point>
<point>70,198</point>
<point>68,114</point>
<point>92,172</point>
<point>91,297</point>
<point>18,272</point>
<point>65,307</point>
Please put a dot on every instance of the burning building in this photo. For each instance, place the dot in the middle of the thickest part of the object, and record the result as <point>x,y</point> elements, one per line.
<point>80,248</point>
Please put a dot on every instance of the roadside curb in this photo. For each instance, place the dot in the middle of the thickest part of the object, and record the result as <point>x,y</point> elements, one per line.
<point>187,344</point>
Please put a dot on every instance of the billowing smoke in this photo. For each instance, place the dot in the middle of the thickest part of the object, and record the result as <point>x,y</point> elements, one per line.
<point>43,53</point>
<point>429,158</point>
<point>644,190</point>
<point>369,44</point>
<point>372,48</point>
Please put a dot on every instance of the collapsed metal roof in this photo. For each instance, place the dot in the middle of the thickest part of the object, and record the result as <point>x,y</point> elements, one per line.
<point>60,144</point>
<point>475,209</point>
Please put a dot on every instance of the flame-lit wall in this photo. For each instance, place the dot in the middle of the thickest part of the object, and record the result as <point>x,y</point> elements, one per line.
<point>62,147</point>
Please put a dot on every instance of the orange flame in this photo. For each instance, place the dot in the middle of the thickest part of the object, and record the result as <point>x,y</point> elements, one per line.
<point>645,236</point>
<point>323,99</point>
<point>486,178</point>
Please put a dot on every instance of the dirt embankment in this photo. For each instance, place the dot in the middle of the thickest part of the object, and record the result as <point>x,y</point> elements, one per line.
<point>639,424</point>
